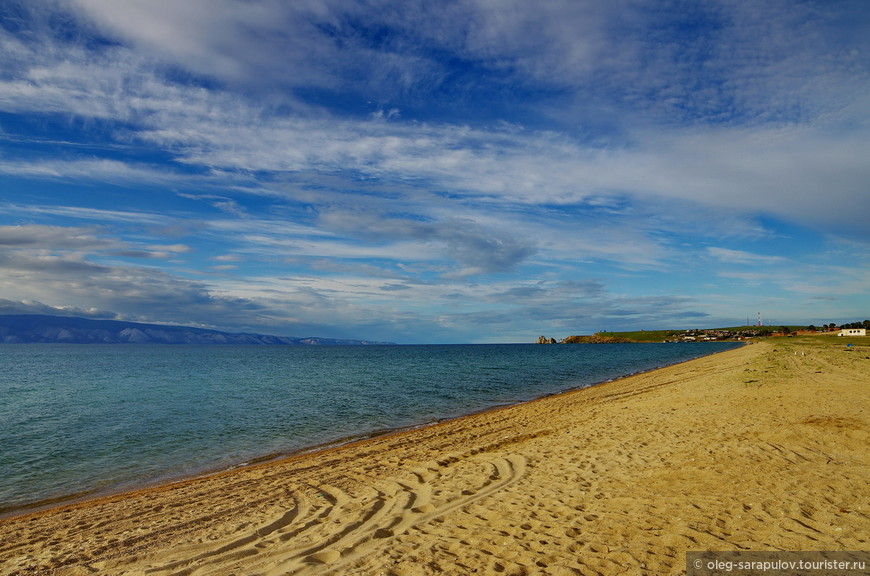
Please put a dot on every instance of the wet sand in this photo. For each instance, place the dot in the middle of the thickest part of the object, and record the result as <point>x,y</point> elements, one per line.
<point>762,448</point>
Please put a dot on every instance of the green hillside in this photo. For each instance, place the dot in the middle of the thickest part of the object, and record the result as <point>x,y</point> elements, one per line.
<point>701,335</point>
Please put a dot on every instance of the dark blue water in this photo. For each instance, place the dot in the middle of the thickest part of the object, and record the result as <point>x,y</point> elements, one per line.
<point>80,419</point>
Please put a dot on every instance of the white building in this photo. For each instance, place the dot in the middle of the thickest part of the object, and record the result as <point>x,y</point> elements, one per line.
<point>853,332</point>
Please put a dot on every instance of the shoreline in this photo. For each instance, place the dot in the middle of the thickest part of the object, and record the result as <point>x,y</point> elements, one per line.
<point>760,447</point>
<point>87,495</point>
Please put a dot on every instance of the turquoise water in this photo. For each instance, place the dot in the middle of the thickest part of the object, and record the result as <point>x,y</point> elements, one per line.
<point>77,420</point>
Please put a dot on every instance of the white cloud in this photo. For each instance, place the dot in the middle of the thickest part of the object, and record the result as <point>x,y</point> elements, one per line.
<point>90,170</point>
<point>730,256</point>
<point>812,173</point>
<point>51,238</point>
<point>35,307</point>
<point>225,39</point>
<point>802,174</point>
<point>134,293</point>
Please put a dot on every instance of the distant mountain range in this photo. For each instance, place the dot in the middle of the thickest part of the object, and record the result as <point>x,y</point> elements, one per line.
<point>27,328</point>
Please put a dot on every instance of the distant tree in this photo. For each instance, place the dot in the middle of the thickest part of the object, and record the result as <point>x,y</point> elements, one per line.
<point>785,329</point>
<point>867,324</point>
<point>811,328</point>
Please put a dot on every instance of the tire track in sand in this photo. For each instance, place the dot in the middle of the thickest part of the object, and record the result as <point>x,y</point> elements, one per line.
<point>335,529</point>
<point>413,504</point>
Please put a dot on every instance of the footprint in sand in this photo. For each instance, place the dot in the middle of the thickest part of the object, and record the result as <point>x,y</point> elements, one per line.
<point>324,557</point>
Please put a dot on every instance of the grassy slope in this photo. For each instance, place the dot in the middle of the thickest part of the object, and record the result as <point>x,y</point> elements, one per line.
<point>662,335</point>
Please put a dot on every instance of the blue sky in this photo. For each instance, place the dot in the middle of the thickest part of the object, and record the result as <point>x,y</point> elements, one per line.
<point>427,172</point>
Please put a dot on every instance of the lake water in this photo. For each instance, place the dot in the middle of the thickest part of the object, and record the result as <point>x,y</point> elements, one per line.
<point>85,419</point>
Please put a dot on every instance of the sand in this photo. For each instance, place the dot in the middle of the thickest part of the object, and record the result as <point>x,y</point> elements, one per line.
<point>762,448</point>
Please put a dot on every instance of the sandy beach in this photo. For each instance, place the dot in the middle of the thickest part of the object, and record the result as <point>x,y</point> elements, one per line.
<point>762,448</point>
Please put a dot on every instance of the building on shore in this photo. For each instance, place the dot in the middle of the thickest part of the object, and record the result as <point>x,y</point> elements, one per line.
<point>853,332</point>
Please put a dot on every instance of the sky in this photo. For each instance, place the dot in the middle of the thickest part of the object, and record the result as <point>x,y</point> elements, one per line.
<point>457,171</point>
